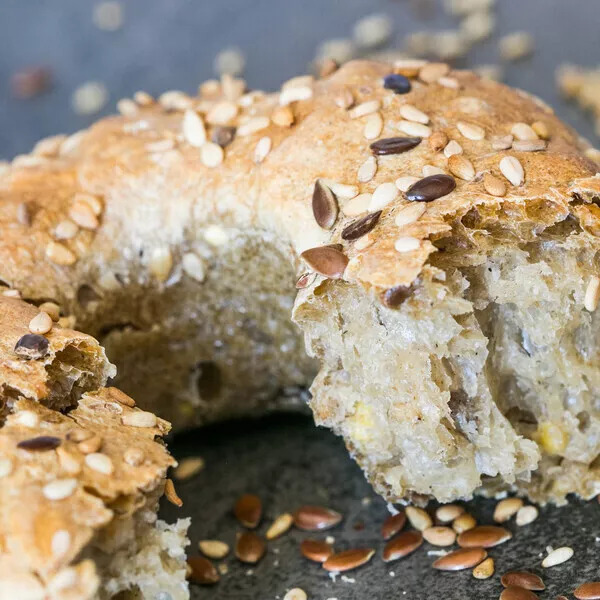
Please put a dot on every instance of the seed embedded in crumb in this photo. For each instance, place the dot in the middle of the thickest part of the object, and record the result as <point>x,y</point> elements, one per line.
<point>262,149</point>
<point>364,108</point>
<point>418,518</point>
<point>592,294</point>
<point>412,113</point>
<point>211,155</point>
<point>344,98</point>
<point>90,445</point>
<point>373,126</point>
<point>249,547</point>
<point>507,508</point>
<point>541,129</point>
<point>316,550</point>
<point>283,116</point>
<point>414,129</point>
<point>193,128</point>
<point>384,194</point>
<point>59,489</point>
<point>6,467</point>
<point>60,255</point>
<point>348,559</point>
<point>367,170</point>
<point>557,557</point>
<point>188,467</point>
<point>452,148</point>
<point>404,183</point>
<point>279,526</point>
<point>214,548</point>
<point>484,570</point>
<point>357,205</point>
<point>512,169</point>
<point>99,462</point>
<point>409,214</point>
<point>316,518</point>
<point>248,510</point>
<point>407,244</point>
<point>431,72</point>
<point>41,323</point>
<point>133,457</point>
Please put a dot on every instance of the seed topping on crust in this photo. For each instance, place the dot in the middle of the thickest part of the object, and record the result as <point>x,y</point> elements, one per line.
<point>41,443</point>
<point>326,261</point>
<point>41,323</point>
<point>99,462</point>
<point>324,205</point>
<point>399,84</point>
<point>383,195</point>
<point>431,188</point>
<point>361,226</point>
<point>367,170</point>
<point>512,169</point>
<point>394,145</point>
<point>394,297</point>
<point>470,130</point>
<point>59,489</point>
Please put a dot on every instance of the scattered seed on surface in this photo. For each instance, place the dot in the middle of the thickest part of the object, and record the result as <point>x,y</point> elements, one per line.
<point>348,559</point>
<point>139,418</point>
<point>412,113</point>
<point>202,571</point>
<point>101,463</point>
<point>316,518</point>
<point>448,512</point>
<point>344,99</point>
<point>60,255</point>
<point>541,129</point>
<point>440,536</point>
<point>402,545</point>
<point>484,536</point>
<point>213,548</point>
<point>279,526</point>
<point>517,593</point>
<point>41,323</point>
<point>592,294</point>
<point>557,557</point>
<point>40,443</point>
<point>484,570</point>
<point>90,445</point>
<point>512,169</point>
<point>588,591</point>
<point>418,518</point>
<point>429,170</point>
<point>506,509</point>
<point>193,128</point>
<point>295,94</point>
<point>503,142</point>
<point>493,185</point>
<point>133,457</point>
<point>463,523</point>
<point>188,467</point>
<point>326,261</point>
<point>249,547</point>
<point>283,116</point>
<point>394,145</point>
<point>522,579</point>
<point>409,67</point>
<point>465,558</point>
<point>248,510</point>
<point>430,188</point>
<point>316,550</point>
<point>295,594</point>
<point>523,131</point>
<point>367,170</point>
<point>393,525</point>
<point>361,227</point>
<point>529,146</point>
<point>211,154</point>
<point>470,130</point>
<point>223,136</point>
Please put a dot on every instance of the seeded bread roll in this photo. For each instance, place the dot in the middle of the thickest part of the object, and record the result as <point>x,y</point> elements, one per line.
<point>443,229</point>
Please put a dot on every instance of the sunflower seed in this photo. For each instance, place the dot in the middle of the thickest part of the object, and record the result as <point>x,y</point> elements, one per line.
<point>524,132</point>
<point>461,167</point>
<point>348,559</point>
<point>452,148</point>
<point>361,227</point>
<point>394,145</point>
<point>316,550</point>
<point>367,170</point>
<point>470,130</point>
<point>101,463</point>
<point>407,244</point>
<point>399,84</point>
<point>248,510</point>
<point>411,113</point>
<point>512,169</point>
<point>326,261</point>
<point>517,593</point>
<point>557,557</point>
<point>522,579</point>
<point>383,195</point>
<point>503,142</point>
<point>507,508</point>
<point>448,512</point>
<point>357,205</point>
<point>82,214</point>
<point>249,548</point>
<point>526,515</point>
<point>41,323</point>
<point>409,214</point>
<point>493,185</point>
<point>439,536</point>
<point>402,546</point>
<point>364,109</point>
<point>484,570</point>
<point>193,128</point>
<point>188,467</point>
<point>414,129</point>
<point>588,591</point>
<point>484,536</point>
<point>139,418</point>
<point>295,594</point>
<point>59,489</point>
<point>279,526</point>
<point>392,525</point>
<point>214,548</point>
<point>449,82</point>
<point>418,518</point>
<point>438,141</point>
<point>211,154</point>
<point>262,149</point>
<point>429,170</point>
<point>465,558</point>
<point>60,254</point>
<point>373,126</point>
<point>202,571</point>
<point>431,72</point>
<point>430,188</point>
<point>41,443</point>
<point>404,183</point>
<point>316,518</point>
<point>529,146</point>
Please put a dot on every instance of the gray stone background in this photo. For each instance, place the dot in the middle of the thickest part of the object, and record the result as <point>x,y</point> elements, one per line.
<point>172,44</point>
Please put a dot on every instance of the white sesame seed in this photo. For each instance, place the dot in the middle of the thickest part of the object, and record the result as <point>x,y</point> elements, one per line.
<point>592,294</point>
<point>262,149</point>
<point>82,214</point>
<point>253,125</point>
<point>60,254</point>
<point>6,467</point>
<point>193,128</point>
<point>406,244</point>
<point>61,542</point>
<point>403,183</point>
<point>139,418</point>
<point>211,154</point>
<point>99,462</point>
<point>512,169</point>
<point>367,170</point>
<point>373,126</point>
<point>412,128</point>
<point>59,489</point>
<point>452,147</point>
<point>410,214</point>
<point>364,108</point>
<point>175,100</point>
<point>193,266</point>
<point>222,113</point>
<point>557,557</point>
<point>133,457</point>
<point>357,205</point>
<point>161,263</point>
<point>26,418</point>
<point>127,107</point>
<point>429,170</point>
<point>41,323</point>
<point>92,201</point>
<point>383,195</point>
<point>470,130</point>
<point>215,235</point>
<point>295,94</point>
<point>411,113</point>
<point>526,515</point>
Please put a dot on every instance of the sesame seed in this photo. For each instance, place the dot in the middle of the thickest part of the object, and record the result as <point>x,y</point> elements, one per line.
<point>367,170</point>
<point>60,254</point>
<point>411,113</point>
<point>453,147</point>
<point>175,100</point>
<point>341,190</point>
<point>139,418</point>
<point>27,418</point>
<point>512,169</point>
<point>193,266</point>
<point>295,94</point>
<point>403,183</point>
<point>59,489</point>
<point>215,235</point>
<point>592,294</point>
<point>211,154</point>
<point>373,126</point>
<point>222,113</point>
<point>364,109</point>
<point>414,129</point>
<point>363,242</point>
<point>127,107</point>
<point>99,462</point>
<point>41,323</point>
<point>61,542</point>
<point>470,130</point>
<point>262,149</point>
<point>193,128</point>
<point>253,125</point>
<point>357,205</point>
<point>65,230</point>
<point>383,195</point>
<point>406,244</point>
<point>90,445</point>
<point>161,263</point>
<point>557,557</point>
<point>82,214</point>
<point>410,214</point>
<point>143,98</point>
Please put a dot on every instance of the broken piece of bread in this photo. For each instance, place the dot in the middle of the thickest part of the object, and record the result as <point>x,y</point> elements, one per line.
<point>444,232</point>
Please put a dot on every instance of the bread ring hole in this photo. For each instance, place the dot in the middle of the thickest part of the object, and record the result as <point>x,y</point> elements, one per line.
<point>208,379</point>
<point>86,295</point>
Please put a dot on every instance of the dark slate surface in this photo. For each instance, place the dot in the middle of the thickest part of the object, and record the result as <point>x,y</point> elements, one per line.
<point>172,44</point>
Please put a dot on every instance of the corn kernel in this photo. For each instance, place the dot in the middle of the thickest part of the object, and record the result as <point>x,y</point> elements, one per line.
<point>552,438</point>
